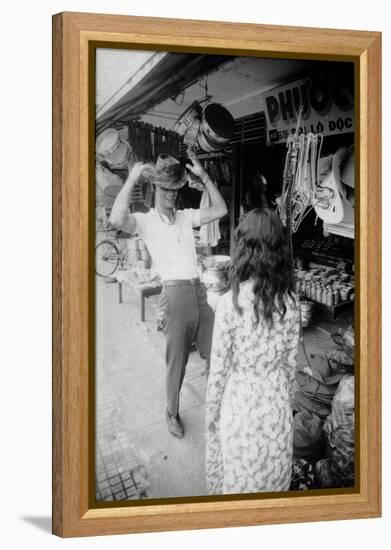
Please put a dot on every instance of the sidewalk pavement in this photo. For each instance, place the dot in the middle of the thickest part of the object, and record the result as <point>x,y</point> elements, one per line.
<point>136,457</point>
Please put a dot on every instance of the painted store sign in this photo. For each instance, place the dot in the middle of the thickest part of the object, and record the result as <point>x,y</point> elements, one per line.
<point>327,109</point>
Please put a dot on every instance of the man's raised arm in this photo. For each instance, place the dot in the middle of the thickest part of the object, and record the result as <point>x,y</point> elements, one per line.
<point>218,208</point>
<point>120,218</point>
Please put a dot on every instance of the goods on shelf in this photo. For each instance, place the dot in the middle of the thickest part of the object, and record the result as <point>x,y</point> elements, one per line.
<point>331,251</point>
<point>324,285</point>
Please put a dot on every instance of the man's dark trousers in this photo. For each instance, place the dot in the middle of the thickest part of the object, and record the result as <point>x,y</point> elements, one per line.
<point>188,319</point>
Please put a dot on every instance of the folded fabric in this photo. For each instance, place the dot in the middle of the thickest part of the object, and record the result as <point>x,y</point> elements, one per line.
<point>322,371</point>
<point>344,338</point>
<point>322,383</point>
<point>307,434</point>
<point>312,386</point>
<point>340,361</point>
<point>308,403</point>
<point>341,358</point>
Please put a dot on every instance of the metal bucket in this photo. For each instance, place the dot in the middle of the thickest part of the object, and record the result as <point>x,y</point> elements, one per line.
<point>306,310</point>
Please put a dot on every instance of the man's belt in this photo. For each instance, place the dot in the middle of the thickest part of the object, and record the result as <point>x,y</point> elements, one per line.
<point>182,282</point>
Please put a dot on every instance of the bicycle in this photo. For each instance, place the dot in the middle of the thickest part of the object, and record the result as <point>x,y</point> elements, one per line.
<point>108,252</point>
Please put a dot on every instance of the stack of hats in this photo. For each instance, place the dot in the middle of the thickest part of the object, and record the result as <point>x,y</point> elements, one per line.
<point>113,149</point>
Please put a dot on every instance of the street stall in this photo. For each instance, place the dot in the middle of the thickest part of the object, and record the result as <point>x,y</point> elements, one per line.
<point>249,155</point>
<point>270,132</point>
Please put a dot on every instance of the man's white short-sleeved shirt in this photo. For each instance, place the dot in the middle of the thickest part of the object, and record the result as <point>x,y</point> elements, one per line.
<point>171,246</point>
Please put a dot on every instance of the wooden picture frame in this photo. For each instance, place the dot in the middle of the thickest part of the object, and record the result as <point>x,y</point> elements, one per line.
<point>73,34</point>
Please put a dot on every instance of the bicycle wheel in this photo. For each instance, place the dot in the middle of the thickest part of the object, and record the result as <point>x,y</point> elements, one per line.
<point>106,258</point>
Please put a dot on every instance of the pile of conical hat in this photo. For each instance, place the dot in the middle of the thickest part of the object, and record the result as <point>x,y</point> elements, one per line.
<point>113,149</point>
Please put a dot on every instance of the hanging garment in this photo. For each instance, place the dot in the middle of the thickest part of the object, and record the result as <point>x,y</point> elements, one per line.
<point>209,232</point>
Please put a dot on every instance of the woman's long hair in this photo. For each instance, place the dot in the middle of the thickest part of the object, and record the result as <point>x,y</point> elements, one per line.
<point>261,254</point>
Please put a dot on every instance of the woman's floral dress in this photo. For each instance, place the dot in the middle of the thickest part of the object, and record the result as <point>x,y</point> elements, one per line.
<point>248,405</point>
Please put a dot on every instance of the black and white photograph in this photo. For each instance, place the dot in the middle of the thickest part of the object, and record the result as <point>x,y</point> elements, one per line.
<point>224,275</point>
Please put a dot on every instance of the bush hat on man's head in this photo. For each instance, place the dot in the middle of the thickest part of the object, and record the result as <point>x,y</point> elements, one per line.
<point>168,172</point>
<point>113,149</point>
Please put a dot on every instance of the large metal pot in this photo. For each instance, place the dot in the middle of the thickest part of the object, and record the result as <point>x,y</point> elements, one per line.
<point>217,128</point>
<point>217,123</point>
<point>215,276</point>
<point>206,144</point>
<point>215,279</point>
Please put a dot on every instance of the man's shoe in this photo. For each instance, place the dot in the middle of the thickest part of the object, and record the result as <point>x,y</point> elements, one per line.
<point>175,426</point>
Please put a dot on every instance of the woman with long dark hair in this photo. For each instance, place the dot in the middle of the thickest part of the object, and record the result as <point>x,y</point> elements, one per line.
<point>255,343</point>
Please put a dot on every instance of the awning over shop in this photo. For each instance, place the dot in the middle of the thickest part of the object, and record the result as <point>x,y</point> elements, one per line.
<point>169,74</point>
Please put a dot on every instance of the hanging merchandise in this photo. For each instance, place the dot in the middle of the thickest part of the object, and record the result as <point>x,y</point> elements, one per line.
<point>306,177</point>
<point>188,124</point>
<point>226,172</point>
<point>325,184</point>
<point>330,198</point>
<point>209,232</point>
<point>343,175</point>
<point>217,128</point>
<point>210,128</point>
<point>300,179</point>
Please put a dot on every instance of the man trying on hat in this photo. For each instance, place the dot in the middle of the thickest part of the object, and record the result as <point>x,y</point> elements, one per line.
<point>168,234</point>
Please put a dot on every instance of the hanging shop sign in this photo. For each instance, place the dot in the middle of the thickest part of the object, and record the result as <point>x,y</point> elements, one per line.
<point>327,109</point>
